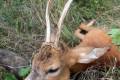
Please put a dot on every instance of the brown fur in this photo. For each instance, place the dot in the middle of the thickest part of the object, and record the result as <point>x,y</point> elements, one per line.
<point>47,58</point>
<point>97,38</point>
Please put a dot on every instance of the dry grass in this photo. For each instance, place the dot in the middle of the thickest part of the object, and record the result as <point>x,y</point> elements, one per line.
<point>98,73</point>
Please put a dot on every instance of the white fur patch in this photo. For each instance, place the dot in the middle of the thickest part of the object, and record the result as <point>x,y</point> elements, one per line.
<point>93,55</point>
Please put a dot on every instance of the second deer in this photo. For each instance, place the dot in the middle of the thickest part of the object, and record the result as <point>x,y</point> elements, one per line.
<point>97,38</point>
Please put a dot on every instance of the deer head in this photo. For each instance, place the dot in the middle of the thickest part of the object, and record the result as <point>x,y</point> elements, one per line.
<point>48,63</point>
<point>54,59</point>
<point>91,36</point>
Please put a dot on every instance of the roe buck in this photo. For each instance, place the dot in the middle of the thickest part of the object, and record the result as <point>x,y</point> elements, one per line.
<point>54,59</point>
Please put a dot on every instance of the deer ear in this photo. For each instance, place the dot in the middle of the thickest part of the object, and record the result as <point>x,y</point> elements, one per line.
<point>94,54</point>
<point>64,47</point>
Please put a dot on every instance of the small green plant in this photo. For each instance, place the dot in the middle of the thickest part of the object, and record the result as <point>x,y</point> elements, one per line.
<point>6,75</point>
<point>9,76</point>
<point>115,34</point>
<point>23,72</point>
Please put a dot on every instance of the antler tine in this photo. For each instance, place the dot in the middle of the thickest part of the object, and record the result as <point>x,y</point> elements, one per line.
<point>48,30</point>
<point>91,23</point>
<point>64,12</point>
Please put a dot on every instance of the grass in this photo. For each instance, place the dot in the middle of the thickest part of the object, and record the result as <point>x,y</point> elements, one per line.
<point>22,22</point>
<point>98,73</point>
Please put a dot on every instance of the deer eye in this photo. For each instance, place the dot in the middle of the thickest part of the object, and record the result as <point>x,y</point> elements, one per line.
<point>53,70</point>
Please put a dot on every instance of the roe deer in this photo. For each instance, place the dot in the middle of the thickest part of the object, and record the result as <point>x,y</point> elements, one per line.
<point>54,59</point>
<point>96,37</point>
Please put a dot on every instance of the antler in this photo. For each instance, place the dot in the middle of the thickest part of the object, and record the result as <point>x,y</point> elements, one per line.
<point>91,23</point>
<point>48,30</point>
<point>48,27</point>
<point>64,12</point>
